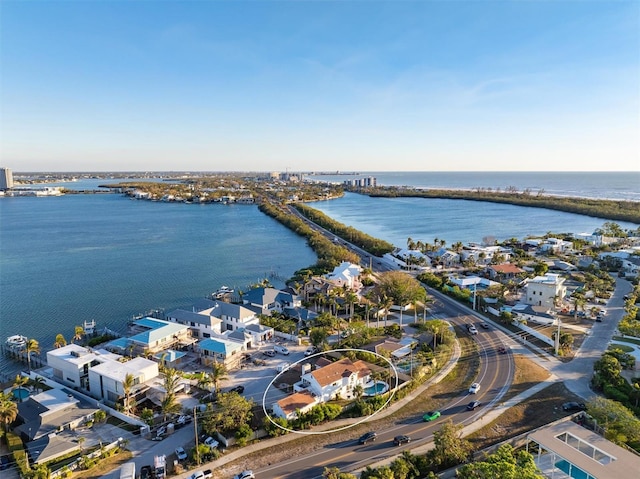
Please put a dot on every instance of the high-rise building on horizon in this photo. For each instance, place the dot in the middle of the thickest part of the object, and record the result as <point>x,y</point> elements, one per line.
<point>6,179</point>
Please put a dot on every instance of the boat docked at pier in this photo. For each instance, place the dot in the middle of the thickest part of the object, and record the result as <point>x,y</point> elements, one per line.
<point>222,292</point>
<point>16,342</point>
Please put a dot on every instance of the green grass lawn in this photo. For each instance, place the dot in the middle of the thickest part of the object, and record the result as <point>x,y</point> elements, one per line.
<point>627,340</point>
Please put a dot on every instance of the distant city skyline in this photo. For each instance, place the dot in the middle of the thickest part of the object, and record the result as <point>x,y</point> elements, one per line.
<point>320,86</point>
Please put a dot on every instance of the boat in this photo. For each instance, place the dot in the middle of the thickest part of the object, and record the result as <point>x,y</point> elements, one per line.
<point>223,291</point>
<point>16,341</point>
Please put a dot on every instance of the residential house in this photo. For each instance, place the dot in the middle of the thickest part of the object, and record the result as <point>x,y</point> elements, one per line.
<point>484,254</point>
<point>152,336</point>
<point>202,325</point>
<point>503,272</point>
<point>50,412</point>
<point>347,275</point>
<point>445,258</point>
<point>222,351</point>
<point>294,404</point>
<point>335,380</point>
<point>265,300</point>
<point>545,290</point>
<point>100,373</point>
<point>556,245</point>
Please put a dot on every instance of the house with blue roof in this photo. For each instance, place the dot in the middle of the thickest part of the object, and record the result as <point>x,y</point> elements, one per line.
<point>222,351</point>
<point>154,335</point>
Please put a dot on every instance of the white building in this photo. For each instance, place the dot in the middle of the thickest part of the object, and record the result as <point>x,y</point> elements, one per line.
<point>543,290</point>
<point>346,274</point>
<point>6,179</point>
<point>335,380</point>
<point>99,373</point>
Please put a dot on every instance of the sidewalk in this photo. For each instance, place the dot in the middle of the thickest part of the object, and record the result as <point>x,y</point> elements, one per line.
<point>280,441</point>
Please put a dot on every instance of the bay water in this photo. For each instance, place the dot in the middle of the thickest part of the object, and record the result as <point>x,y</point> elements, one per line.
<point>105,257</point>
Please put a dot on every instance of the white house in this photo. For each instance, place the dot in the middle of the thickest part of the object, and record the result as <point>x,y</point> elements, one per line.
<point>335,380</point>
<point>99,373</point>
<point>556,245</point>
<point>543,290</point>
<point>202,325</point>
<point>106,379</point>
<point>346,274</point>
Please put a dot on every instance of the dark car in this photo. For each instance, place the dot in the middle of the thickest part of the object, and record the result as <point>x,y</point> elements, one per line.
<point>573,406</point>
<point>472,405</point>
<point>237,389</point>
<point>368,437</point>
<point>484,325</point>
<point>400,440</point>
<point>146,472</point>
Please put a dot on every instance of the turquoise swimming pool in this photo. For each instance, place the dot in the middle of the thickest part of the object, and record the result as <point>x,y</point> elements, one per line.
<point>572,471</point>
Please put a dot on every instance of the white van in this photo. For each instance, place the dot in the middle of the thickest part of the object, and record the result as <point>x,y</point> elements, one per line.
<point>281,349</point>
<point>128,471</point>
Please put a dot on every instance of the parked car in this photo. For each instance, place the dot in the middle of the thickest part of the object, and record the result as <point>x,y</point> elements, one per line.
<point>400,440</point>
<point>269,352</point>
<point>574,406</point>
<point>182,420</point>
<point>310,350</point>
<point>162,430</point>
<point>475,387</point>
<point>431,416</point>
<point>245,475</point>
<point>472,405</point>
<point>208,474</point>
<point>181,453</point>
<point>211,442</point>
<point>368,437</point>
<point>281,349</point>
<point>237,389</point>
<point>146,472</point>
<point>484,325</point>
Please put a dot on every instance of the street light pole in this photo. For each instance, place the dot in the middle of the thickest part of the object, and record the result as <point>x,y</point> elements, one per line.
<point>195,427</point>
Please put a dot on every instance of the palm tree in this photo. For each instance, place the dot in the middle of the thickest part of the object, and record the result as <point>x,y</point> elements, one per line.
<point>32,346</point>
<point>171,378</point>
<point>127,386</point>
<point>38,383</point>
<point>204,381</point>
<point>60,341</point>
<point>19,382</point>
<point>78,333</point>
<point>351,297</point>
<point>8,410</point>
<point>218,373</point>
<point>169,405</point>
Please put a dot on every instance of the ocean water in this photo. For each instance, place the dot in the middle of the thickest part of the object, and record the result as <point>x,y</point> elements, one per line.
<point>611,185</point>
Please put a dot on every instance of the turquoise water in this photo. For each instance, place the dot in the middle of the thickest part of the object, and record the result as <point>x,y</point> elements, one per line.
<point>378,388</point>
<point>21,393</point>
<point>576,472</point>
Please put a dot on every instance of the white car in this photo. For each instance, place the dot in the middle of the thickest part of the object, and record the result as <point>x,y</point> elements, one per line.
<point>473,330</point>
<point>245,475</point>
<point>211,442</point>
<point>475,387</point>
<point>311,350</point>
<point>181,453</point>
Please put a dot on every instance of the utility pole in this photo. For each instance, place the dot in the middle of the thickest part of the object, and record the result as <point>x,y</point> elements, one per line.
<point>556,343</point>
<point>195,427</point>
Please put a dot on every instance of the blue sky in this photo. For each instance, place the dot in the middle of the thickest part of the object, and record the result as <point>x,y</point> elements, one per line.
<point>320,85</point>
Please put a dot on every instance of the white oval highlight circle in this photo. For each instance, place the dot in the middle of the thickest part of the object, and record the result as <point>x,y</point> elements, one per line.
<point>366,418</point>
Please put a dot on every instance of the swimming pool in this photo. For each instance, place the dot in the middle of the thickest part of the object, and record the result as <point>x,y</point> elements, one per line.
<point>21,393</point>
<point>571,470</point>
<point>378,387</point>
